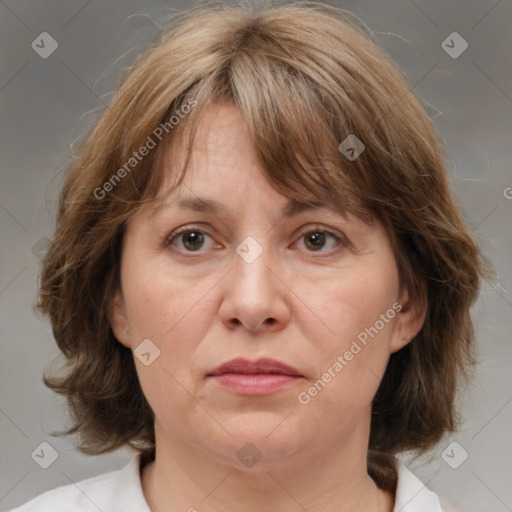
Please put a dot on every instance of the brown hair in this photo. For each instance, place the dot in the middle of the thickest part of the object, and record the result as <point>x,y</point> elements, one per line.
<point>303,76</point>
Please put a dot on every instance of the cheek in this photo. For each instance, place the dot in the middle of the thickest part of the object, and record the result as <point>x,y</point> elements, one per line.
<point>175,315</point>
<point>353,350</point>
<point>162,305</point>
<point>353,303</point>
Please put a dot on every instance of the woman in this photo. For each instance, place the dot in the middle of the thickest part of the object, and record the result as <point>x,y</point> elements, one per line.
<point>259,277</point>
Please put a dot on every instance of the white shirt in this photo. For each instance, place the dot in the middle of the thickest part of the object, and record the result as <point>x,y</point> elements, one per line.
<point>121,491</point>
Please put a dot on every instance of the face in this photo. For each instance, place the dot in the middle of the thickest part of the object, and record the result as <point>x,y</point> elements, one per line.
<point>307,303</point>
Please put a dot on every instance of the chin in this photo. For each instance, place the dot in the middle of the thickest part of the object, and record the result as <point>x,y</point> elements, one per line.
<point>274,435</point>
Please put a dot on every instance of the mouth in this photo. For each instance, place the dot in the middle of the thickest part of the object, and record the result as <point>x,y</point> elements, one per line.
<point>262,377</point>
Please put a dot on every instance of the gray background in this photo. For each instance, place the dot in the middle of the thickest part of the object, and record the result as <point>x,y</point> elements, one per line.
<point>46,103</point>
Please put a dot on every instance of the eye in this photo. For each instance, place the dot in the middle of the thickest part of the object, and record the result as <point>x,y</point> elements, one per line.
<point>191,239</point>
<point>317,238</point>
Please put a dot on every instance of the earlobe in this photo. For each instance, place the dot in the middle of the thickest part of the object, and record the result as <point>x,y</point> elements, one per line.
<point>410,319</point>
<point>118,319</point>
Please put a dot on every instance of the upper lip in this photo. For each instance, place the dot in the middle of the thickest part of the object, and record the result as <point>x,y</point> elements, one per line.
<point>263,366</point>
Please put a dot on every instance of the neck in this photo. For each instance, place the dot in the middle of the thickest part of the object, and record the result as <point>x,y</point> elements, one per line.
<point>185,478</point>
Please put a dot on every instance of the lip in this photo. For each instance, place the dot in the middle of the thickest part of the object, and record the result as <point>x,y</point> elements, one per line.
<point>255,378</point>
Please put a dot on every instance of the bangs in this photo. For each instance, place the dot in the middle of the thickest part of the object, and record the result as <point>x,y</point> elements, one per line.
<point>295,125</point>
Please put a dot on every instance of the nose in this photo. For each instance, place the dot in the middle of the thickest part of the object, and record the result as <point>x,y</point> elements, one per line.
<point>255,295</point>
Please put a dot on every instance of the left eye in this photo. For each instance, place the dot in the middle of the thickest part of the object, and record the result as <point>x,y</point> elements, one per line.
<point>316,239</point>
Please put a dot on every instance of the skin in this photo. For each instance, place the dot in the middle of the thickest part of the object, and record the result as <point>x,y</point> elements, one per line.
<point>202,308</point>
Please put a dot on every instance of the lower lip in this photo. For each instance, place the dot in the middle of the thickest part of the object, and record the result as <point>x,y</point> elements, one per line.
<point>256,384</point>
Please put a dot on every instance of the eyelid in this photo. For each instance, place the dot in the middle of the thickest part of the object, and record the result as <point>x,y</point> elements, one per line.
<point>318,227</point>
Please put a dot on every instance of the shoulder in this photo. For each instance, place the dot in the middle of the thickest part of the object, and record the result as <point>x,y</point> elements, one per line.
<point>412,495</point>
<point>79,496</point>
<point>115,490</point>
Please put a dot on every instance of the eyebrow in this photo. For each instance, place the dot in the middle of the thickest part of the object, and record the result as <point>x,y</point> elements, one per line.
<point>292,208</point>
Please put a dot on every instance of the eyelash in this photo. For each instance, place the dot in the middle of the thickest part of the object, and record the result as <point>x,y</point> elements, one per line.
<point>309,230</point>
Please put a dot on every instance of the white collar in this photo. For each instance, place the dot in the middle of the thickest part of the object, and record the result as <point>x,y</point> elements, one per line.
<point>412,495</point>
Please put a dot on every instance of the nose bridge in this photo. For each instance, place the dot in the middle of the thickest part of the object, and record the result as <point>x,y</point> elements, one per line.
<point>252,261</point>
<point>254,296</point>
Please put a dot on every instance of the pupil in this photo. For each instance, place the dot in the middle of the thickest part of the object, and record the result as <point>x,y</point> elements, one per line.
<point>318,239</point>
<point>194,238</point>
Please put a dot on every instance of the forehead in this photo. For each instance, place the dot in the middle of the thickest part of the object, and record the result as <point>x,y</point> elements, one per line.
<point>212,162</point>
<point>222,157</point>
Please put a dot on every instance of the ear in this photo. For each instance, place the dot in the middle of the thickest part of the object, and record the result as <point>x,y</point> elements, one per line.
<point>410,318</point>
<point>118,319</point>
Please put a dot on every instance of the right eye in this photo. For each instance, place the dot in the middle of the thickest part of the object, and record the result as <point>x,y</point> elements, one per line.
<point>187,240</point>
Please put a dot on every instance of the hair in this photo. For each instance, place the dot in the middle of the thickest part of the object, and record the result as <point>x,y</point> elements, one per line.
<point>303,76</point>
